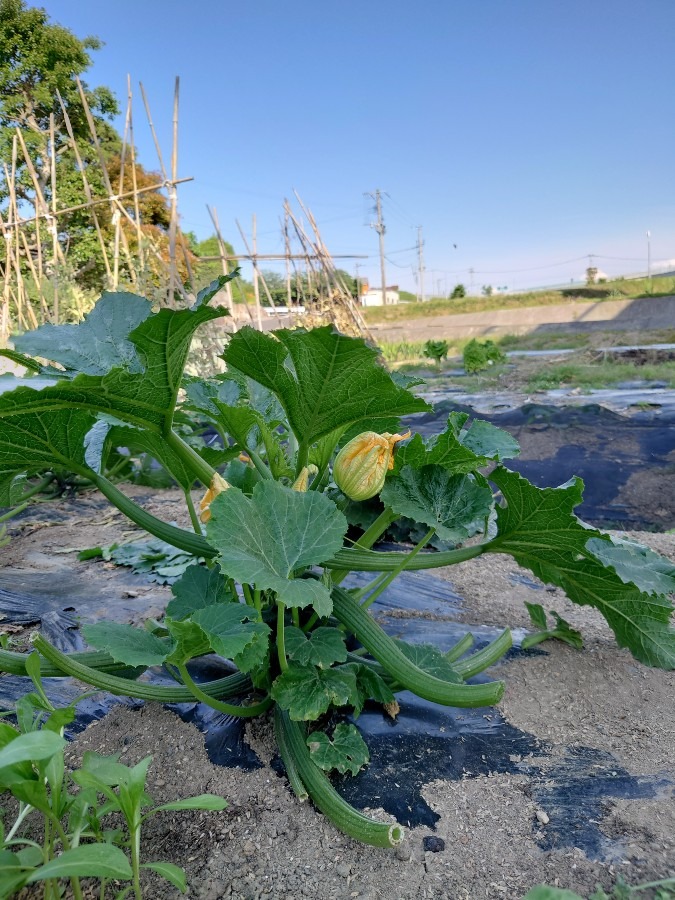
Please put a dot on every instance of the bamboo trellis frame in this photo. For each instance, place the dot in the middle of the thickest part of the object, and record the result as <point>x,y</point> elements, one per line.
<point>33,260</point>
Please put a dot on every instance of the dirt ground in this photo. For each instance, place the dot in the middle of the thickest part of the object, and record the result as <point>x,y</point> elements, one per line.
<point>591,719</point>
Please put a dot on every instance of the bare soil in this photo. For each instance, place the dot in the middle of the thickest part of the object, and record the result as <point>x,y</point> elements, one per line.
<point>597,710</point>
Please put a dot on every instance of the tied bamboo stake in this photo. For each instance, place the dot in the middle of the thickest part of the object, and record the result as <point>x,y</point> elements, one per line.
<point>173,194</point>
<point>87,189</point>
<point>137,210</point>
<point>56,247</point>
<point>254,257</point>
<point>115,203</point>
<point>223,259</point>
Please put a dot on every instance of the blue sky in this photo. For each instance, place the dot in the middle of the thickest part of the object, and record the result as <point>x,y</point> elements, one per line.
<point>527,132</point>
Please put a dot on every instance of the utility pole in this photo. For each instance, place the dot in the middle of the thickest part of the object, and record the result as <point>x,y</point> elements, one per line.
<point>420,261</point>
<point>380,229</point>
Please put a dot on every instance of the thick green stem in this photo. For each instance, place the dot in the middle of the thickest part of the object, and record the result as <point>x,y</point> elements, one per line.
<point>387,653</point>
<point>230,686</point>
<point>177,537</point>
<point>460,648</point>
<point>486,657</point>
<point>295,754</point>
<point>292,773</point>
<point>365,542</point>
<point>15,663</point>
<point>395,572</point>
<point>281,636</point>
<point>230,709</point>
<point>13,512</point>
<point>190,458</point>
<point>358,560</point>
<point>302,458</point>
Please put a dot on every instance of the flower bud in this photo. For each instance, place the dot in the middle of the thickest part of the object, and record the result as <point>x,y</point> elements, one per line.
<point>362,465</point>
<point>218,485</point>
<point>301,483</point>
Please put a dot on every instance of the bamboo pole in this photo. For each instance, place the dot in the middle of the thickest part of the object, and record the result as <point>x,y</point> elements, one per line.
<point>173,195</point>
<point>115,204</point>
<point>100,200</point>
<point>137,209</point>
<point>56,247</point>
<point>224,260</point>
<point>87,188</point>
<point>254,257</point>
<point>10,179</point>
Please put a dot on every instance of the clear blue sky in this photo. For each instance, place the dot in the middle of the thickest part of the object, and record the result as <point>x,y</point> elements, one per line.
<point>526,132</point>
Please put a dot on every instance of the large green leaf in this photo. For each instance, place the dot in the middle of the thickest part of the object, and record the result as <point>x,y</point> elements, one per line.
<point>41,428</point>
<point>126,643</point>
<point>264,539</point>
<point>323,379</point>
<point>226,629</point>
<point>634,562</point>
<point>454,505</point>
<point>99,343</point>
<point>458,449</point>
<point>197,588</point>
<point>539,529</point>
<point>307,692</point>
<point>322,647</point>
<point>430,660</point>
<point>346,752</point>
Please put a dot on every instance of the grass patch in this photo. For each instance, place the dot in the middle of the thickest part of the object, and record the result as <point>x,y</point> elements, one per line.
<point>599,375</point>
<point>619,289</point>
<point>545,340</point>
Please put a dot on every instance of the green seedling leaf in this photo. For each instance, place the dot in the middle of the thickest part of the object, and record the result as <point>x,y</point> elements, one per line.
<point>35,746</point>
<point>13,874</point>
<point>87,860</point>
<point>307,692</point>
<point>226,629</point>
<point>454,505</point>
<point>127,644</point>
<point>346,752</point>
<point>635,563</point>
<point>173,874</point>
<point>538,528</point>
<point>323,379</point>
<point>563,631</point>
<point>430,660</point>
<point>97,344</point>
<point>202,801</point>
<point>107,770</point>
<point>263,540</point>
<point>197,588</point>
<point>321,647</point>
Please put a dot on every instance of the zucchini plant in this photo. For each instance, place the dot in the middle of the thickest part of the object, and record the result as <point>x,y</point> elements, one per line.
<point>309,427</point>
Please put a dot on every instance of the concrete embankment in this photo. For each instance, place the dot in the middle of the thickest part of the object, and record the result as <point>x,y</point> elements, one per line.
<point>646,314</point>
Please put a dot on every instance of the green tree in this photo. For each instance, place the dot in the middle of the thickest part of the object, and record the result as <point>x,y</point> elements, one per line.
<point>458,292</point>
<point>37,60</point>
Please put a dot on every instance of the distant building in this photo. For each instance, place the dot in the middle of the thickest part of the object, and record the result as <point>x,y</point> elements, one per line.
<point>371,296</point>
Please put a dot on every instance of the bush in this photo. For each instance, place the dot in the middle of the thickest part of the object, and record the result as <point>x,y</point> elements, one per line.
<point>479,356</point>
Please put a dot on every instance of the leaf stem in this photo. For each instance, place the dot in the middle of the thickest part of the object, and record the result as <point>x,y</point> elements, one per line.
<point>230,686</point>
<point>391,658</point>
<point>368,538</point>
<point>230,709</point>
<point>190,458</point>
<point>395,572</point>
<point>281,636</point>
<point>177,537</point>
<point>296,757</point>
<point>194,518</point>
<point>358,560</point>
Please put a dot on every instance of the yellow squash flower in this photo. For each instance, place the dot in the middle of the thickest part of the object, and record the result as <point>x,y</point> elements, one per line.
<point>362,465</point>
